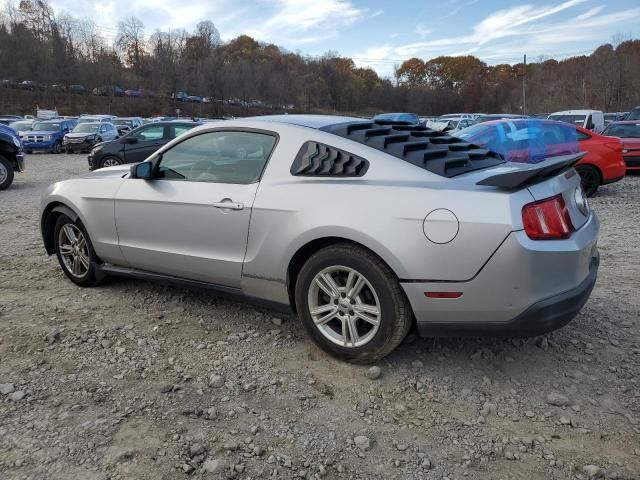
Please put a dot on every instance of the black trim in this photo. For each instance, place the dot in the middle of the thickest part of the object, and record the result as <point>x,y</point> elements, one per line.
<point>316,159</point>
<point>434,151</point>
<point>530,174</point>
<point>231,292</point>
<point>541,317</point>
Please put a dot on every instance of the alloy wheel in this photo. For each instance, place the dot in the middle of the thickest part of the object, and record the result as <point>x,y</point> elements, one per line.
<point>110,162</point>
<point>344,306</point>
<point>74,250</point>
<point>4,173</point>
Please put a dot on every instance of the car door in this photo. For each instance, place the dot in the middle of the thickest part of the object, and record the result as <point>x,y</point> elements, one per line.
<point>192,219</point>
<point>144,141</point>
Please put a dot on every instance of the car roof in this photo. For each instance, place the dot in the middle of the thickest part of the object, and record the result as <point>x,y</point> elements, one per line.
<point>575,112</point>
<point>311,121</point>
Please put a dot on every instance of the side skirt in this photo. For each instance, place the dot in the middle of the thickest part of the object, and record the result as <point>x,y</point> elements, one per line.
<point>230,292</point>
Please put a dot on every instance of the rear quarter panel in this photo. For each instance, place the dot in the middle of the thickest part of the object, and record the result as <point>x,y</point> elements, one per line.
<point>384,211</point>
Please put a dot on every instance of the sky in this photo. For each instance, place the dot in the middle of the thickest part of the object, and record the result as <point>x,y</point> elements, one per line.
<point>381,34</point>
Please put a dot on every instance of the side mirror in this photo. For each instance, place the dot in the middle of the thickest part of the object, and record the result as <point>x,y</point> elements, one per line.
<point>130,140</point>
<point>142,170</point>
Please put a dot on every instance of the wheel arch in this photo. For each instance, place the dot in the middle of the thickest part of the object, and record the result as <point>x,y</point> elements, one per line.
<point>48,221</point>
<point>305,251</point>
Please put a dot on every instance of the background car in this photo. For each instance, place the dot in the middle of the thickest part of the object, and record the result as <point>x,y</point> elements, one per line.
<point>126,124</point>
<point>7,119</point>
<point>11,156</point>
<point>496,116</point>
<point>22,126</point>
<point>530,140</point>
<point>587,119</point>
<point>47,135</point>
<point>138,144</point>
<point>408,118</point>
<point>629,134</point>
<point>95,118</point>
<point>85,135</point>
<point>302,212</point>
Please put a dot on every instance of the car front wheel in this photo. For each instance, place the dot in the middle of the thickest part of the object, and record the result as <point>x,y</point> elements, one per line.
<point>75,252</point>
<point>110,162</point>
<point>6,173</point>
<point>351,304</point>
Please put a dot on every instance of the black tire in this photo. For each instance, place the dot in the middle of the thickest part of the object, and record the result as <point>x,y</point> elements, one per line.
<point>6,173</point>
<point>57,148</point>
<point>590,178</point>
<point>92,276</point>
<point>396,316</point>
<point>110,158</point>
<point>68,150</point>
<point>28,151</point>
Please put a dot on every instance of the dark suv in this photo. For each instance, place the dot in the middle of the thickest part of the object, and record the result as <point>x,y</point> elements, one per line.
<point>138,144</point>
<point>11,156</point>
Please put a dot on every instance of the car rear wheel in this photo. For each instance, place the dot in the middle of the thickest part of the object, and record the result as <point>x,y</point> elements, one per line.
<point>351,304</point>
<point>75,252</point>
<point>6,173</point>
<point>590,178</point>
<point>110,162</point>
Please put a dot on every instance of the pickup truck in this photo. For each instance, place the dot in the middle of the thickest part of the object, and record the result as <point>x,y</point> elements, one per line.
<point>11,156</point>
<point>47,135</point>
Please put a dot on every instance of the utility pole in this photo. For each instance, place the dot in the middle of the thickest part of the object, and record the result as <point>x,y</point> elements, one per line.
<point>524,86</point>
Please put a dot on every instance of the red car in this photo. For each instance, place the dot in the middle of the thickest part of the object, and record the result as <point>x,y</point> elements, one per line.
<point>532,141</point>
<point>629,134</point>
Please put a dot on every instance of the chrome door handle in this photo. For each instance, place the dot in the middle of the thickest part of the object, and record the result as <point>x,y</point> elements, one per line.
<point>228,204</point>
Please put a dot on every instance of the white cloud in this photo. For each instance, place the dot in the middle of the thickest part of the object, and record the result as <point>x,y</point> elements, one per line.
<point>377,13</point>
<point>306,22</point>
<point>422,31</point>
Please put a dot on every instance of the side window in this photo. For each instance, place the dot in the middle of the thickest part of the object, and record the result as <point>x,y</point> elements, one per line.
<point>152,132</point>
<point>103,128</point>
<point>219,157</point>
<point>177,130</point>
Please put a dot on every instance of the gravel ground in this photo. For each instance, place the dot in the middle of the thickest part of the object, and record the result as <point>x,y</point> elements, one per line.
<point>141,381</point>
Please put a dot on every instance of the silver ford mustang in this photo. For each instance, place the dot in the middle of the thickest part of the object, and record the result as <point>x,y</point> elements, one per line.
<point>364,229</point>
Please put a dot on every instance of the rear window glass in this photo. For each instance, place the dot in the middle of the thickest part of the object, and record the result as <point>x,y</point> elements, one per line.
<point>623,130</point>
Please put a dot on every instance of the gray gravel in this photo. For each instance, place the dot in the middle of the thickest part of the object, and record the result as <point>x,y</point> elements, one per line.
<point>133,380</point>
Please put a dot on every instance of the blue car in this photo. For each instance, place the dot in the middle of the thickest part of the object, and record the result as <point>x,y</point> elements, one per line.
<point>47,135</point>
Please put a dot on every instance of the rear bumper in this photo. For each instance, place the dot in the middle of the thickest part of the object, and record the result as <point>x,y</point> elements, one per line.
<point>542,317</point>
<point>20,161</point>
<point>525,288</point>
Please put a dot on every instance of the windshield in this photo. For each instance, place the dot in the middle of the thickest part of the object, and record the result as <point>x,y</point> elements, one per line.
<point>634,115</point>
<point>127,123</point>
<point>46,126</point>
<point>573,119</point>
<point>623,130</point>
<point>86,128</point>
<point>88,119</point>
<point>524,140</point>
<point>21,126</point>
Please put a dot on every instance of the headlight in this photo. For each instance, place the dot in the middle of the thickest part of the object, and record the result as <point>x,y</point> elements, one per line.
<point>46,138</point>
<point>16,142</point>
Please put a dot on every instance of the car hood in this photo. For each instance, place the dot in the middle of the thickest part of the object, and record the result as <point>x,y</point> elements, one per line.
<point>40,132</point>
<point>110,172</point>
<point>79,135</point>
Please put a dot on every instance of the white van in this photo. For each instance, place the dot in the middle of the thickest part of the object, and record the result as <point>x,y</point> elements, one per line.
<point>589,119</point>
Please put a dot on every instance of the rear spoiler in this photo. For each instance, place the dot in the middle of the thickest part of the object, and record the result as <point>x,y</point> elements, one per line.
<point>520,175</point>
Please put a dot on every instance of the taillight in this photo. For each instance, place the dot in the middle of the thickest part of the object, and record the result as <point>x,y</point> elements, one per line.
<point>547,219</point>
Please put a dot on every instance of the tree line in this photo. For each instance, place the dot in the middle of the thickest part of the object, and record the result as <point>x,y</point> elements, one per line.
<point>36,44</point>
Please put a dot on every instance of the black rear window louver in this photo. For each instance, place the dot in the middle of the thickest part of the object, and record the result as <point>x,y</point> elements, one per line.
<point>429,149</point>
<point>319,160</point>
